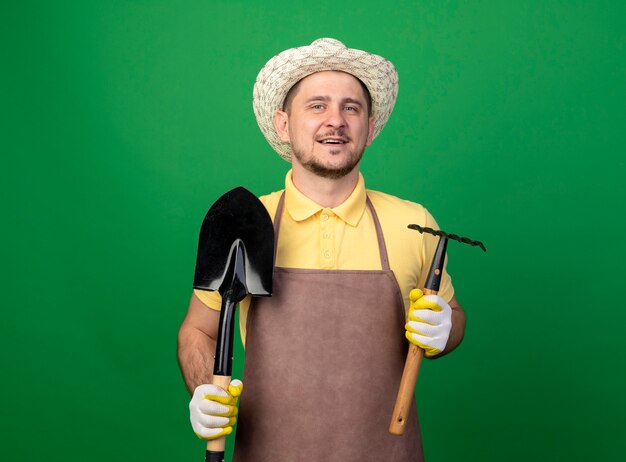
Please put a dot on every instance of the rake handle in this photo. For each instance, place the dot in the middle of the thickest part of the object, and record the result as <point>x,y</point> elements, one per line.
<point>406,392</point>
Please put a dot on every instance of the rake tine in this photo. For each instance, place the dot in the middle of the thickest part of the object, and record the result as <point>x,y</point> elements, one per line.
<point>455,237</point>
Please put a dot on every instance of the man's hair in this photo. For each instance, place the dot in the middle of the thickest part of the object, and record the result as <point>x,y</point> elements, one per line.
<point>291,94</point>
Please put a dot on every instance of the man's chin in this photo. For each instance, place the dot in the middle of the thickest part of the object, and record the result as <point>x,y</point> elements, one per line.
<point>330,172</point>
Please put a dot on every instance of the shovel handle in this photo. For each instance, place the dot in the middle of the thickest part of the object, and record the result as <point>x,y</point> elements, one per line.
<point>406,392</point>
<point>215,448</point>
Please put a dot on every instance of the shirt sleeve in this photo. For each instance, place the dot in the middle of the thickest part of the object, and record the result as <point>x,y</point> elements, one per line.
<point>211,299</point>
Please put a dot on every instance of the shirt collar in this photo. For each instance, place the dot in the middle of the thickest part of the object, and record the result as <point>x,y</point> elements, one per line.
<point>300,207</point>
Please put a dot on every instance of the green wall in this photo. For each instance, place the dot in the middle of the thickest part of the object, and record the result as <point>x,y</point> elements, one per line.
<point>122,121</point>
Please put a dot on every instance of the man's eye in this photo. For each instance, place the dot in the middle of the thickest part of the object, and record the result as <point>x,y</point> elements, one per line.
<point>317,106</point>
<point>350,108</point>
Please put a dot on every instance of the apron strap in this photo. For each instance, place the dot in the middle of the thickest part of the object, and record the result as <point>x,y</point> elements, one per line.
<point>382,247</point>
<point>277,217</point>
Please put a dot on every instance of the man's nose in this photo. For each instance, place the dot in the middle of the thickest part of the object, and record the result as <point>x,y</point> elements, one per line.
<point>335,117</point>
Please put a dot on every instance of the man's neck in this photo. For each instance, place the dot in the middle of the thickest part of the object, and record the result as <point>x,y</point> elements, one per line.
<point>326,192</point>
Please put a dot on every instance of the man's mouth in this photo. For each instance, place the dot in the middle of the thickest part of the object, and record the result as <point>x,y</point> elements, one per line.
<point>334,141</point>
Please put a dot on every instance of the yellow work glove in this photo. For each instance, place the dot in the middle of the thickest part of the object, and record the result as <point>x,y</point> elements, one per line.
<point>429,322</point>
<point>213,411</point>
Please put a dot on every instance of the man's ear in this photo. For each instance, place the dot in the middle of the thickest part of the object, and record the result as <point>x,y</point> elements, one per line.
<point>370,132</point>
<point>281,125</point>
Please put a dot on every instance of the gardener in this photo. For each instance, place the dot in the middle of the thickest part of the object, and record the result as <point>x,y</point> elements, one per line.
<point>325,353</point>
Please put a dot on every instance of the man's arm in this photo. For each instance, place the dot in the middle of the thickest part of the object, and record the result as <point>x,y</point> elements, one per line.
<point>458,327</point>
<point>196,344</point>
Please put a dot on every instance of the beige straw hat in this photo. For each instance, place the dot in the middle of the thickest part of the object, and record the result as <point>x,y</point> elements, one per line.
<point>286,69</point>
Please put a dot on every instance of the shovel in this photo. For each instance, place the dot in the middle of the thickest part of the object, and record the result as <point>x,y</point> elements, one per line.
<point>236,258</point>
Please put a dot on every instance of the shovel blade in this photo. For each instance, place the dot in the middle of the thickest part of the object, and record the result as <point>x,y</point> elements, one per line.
<point>236,220</point>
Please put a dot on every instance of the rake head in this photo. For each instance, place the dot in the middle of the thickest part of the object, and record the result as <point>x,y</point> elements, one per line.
<point>455,237</point>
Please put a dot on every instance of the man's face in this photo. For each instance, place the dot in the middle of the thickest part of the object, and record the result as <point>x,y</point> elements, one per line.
<point>327,125</point>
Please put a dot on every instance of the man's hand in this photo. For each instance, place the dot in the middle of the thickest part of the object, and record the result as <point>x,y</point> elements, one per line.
<point>213,411</point>
<point>429,323</point>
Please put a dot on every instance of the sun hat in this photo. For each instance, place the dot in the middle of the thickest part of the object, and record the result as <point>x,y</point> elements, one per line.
<point>286,69</point>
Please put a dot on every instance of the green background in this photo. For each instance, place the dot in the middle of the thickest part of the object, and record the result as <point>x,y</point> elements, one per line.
<point>122,121</point>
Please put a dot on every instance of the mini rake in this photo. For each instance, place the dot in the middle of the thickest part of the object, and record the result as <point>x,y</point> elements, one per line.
<point>415,354</point>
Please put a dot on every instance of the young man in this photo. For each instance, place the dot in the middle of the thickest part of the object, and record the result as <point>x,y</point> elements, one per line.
<point>324,354</point>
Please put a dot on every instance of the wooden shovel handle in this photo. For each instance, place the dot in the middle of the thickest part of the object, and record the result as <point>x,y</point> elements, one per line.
<point>406,392</point>
<point>217,445</point>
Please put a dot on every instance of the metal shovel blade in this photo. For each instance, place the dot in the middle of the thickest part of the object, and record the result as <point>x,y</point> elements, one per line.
<point>236,224</point>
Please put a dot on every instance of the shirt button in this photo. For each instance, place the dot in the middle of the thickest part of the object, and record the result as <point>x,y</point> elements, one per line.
<point>324,217</point>
<point>326,235</point>
<point>326,254</point>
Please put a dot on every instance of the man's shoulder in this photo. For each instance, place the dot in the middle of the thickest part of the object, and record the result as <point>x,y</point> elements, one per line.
<point>396,213</point>
<point>270,201</point>
<point>384,202</point>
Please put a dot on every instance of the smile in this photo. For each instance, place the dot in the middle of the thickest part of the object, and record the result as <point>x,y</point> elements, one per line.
<point>332,141</point>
